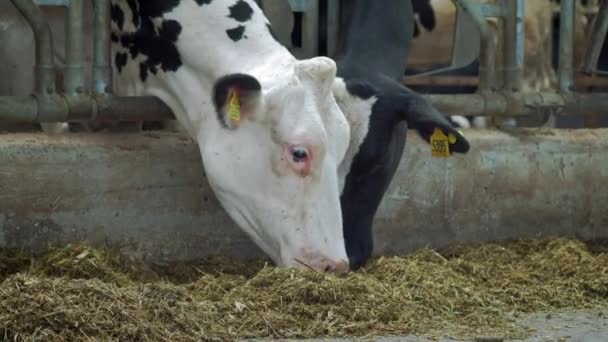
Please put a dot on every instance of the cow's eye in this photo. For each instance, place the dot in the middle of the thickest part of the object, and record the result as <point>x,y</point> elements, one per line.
<point>299,154</point>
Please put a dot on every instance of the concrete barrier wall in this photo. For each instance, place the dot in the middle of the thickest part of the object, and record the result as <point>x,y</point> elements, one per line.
<point>147,194</point>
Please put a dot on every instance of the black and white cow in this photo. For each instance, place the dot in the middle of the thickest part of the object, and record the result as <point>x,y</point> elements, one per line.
<point>374,45</point>
<point>270,133</point>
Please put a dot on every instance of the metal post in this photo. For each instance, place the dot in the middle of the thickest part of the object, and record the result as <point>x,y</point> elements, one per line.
<point>102,70</point>
<point>310,29</point>
<point>333,26</point>
<point>596,41</point>
<point>74,70</point>
<point>514,45</point>
<point>487,55</point>
<point>566,45</point>
<point>45,70</point>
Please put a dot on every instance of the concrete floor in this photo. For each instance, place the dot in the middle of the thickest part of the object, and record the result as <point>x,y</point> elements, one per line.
<point>574,326</point>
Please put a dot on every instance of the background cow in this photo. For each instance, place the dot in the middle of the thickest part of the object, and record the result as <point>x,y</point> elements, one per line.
<point>375,40</point>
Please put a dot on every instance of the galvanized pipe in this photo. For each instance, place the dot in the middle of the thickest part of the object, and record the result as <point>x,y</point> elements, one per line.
<point>74,69</point>
<point>566,46</point>
<point>102,70</point>
<point>598,36</point>
<point>87,108</point>
<point>18,108</point>
<point>487,53</point>
<point>510,104</point>
<point>45,70</point>
<point>139,108</point>
<point>333,30</point>
<point>514,45</point>
<point>310,29</point>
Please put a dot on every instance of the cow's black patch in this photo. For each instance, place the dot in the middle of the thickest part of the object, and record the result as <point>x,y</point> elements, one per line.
<point>203,2</point>
<point>120,60</point>
<point>236,33</point>
<point>118,16</point>
<point>425,15</point>
<point>157,45</point>
<point>114,37</point>
<point>134,11</point>
<point>241,11</point>
<point>362,90</point>
<point>143,72</point>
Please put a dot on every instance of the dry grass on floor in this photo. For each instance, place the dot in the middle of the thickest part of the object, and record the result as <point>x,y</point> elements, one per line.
<point>81,293</point>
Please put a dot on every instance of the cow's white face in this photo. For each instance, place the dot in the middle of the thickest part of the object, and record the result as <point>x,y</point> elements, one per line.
<point>274,168</point>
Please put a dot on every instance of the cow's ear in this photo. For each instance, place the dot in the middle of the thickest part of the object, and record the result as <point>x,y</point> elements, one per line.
<point>237,97</point>
<point>421,116</point>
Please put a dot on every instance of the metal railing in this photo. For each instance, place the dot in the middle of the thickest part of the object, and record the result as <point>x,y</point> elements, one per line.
<point>79,102</point>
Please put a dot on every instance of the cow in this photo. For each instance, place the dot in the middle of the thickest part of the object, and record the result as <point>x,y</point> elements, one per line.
<point>270,133</point>
<point>374,42</point>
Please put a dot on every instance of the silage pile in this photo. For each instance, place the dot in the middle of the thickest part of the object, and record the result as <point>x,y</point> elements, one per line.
<point>80,293</point>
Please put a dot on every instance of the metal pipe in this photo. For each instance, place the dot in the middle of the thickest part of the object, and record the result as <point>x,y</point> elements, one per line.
<point>102,70</point>
<point>310,29</point>
<point>45,70</point>
<point>520,104</point>
<point>74,69</point>
<point>132,108</point>
<point>89,108</point>
<point>598,36</point>
<point>514,45</point>
<point>16,108</point>
<point>566,45</point>
<point>333,26</point>
<point>140,108</point>
<point>487,54</point>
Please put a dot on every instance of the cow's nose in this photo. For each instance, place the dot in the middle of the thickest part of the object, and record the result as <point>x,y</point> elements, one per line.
<point>326,265</point>
<point>333,266</point>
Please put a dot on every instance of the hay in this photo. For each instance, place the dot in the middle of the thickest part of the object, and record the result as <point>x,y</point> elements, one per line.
<point>80,293</point>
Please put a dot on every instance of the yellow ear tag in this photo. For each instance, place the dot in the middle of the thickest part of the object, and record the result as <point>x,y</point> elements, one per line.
<point>452,139</point>
<point>234,107</point>
<point>439,144</point>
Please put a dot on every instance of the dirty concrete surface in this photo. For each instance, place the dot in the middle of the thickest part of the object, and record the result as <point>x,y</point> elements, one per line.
<point>147,194</point>
<point>562,326</point>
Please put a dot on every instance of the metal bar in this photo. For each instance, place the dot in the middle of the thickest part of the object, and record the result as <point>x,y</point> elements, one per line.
<point>596,41</point>
<point>88,108</point>
<point>63,3</point>
<point>520,104</point>
<point>45,70</point>
<point>310,29</point>
<point>566,45</point>
<point>514,45</point>
<point>15,108</point>
<point>491,10</point>
<point>487,54</point>
<point>139,108</point>
<point>132,108</point>
<point>333,29</point>
<point>74,69</point>
<point>102,70</point>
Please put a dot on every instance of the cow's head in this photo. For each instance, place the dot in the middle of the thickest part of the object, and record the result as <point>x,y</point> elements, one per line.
<point>273,161</point>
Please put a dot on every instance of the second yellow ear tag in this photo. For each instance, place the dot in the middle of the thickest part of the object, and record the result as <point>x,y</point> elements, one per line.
<point>440,144</point>
<point>234,107</point>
